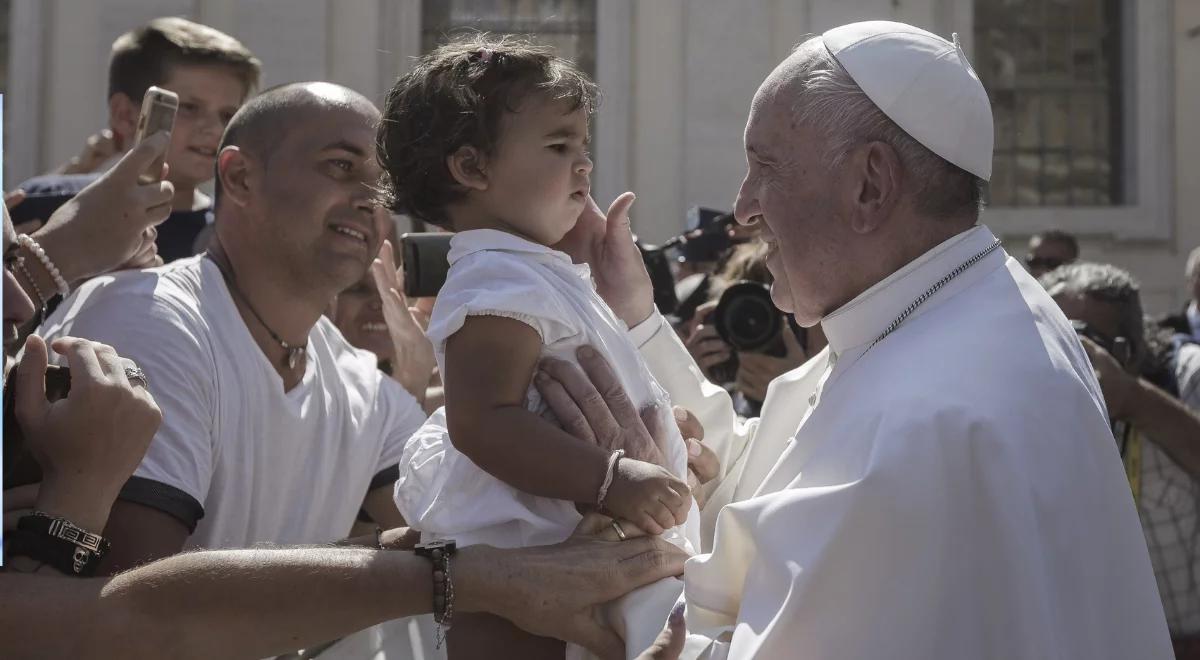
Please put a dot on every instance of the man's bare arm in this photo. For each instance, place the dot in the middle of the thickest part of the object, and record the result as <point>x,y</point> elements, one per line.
<point>1168,423</point>
<point>261,602</point>
<point>1164,419</point>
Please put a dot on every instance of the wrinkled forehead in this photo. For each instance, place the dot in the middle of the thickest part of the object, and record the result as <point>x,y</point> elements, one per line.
<point>776,98</point>
<point>765,115</point>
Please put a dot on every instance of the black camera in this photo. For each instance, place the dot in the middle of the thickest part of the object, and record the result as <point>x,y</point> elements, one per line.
<point>661,279</point>
<point>423,257</point>
<point>1118,347</point>
<point>707,236</point>
<point>747,319</point>
<point>20,468</point>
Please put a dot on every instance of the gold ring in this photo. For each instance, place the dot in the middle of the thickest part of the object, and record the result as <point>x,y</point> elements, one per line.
<point>620,532</point>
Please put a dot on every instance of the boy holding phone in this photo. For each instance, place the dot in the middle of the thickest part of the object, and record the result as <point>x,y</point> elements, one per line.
<point>212,73</point>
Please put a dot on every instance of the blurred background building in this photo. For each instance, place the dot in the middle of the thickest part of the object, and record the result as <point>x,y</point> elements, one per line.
<point>1097,102</point>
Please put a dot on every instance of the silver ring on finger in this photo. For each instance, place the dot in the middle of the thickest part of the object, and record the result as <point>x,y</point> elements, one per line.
<point>137,377</point>
<point>620,532</point>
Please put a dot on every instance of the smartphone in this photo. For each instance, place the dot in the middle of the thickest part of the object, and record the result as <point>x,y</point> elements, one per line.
<point>158,114</point>
<point>20,468</point>
<point>425,262</point>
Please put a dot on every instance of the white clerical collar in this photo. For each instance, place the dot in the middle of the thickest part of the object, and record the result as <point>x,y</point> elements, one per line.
<point>479,240</point>
<point>866,316</point>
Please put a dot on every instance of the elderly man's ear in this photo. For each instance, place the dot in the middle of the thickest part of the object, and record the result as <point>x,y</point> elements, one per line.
<point>872,173</point>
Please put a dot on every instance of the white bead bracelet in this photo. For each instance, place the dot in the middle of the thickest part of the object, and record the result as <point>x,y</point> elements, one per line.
<point>609,473</point>
<point>27,242</point>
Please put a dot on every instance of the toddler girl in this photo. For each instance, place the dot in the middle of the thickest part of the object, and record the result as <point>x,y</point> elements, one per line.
<point>488,138</point>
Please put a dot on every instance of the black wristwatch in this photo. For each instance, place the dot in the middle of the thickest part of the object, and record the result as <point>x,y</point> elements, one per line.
<point>58,542</point>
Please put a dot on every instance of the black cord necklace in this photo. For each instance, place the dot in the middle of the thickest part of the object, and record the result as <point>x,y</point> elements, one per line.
<point>292,354</point>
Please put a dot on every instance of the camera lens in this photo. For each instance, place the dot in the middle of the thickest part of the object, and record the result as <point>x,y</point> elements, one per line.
<point>746,318</point>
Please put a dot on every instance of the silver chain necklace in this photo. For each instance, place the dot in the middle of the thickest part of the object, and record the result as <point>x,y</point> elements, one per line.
<point>932,290</point>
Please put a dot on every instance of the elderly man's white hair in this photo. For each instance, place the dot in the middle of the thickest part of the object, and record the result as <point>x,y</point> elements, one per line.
<point>826,98</point>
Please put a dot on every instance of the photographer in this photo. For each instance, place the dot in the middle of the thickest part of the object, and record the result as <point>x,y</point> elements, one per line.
<point>1152,390</point>
<point>747,313</point>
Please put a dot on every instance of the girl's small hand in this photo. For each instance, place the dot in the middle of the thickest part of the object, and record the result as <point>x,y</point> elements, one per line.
<point>648,495</point>
<point>414,361</point>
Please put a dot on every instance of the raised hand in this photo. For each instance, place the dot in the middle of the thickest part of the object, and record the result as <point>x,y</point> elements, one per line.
<point>606,244</point>
<point>105,225</point>
<point>414,362</point>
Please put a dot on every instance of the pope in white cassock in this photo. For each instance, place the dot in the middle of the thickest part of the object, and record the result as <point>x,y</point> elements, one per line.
<point>941,482</point>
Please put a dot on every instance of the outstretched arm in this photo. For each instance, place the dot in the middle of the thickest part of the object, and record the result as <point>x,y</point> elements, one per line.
<point>262,602</point>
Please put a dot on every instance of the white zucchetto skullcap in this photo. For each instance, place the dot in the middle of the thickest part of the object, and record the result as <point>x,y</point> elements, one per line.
<point>923,83</point>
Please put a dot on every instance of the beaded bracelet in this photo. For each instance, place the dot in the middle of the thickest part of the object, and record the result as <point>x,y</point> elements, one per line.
<point>27,242</point>
<point>609,473</point>
<point>37,290</point>
<point>439,554</point>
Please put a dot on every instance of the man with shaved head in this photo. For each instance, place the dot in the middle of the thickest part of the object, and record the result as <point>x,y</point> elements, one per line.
<point>275,429</point>
<point>941,482</point>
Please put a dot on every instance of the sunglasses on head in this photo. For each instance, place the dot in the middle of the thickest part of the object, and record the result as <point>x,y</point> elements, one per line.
<point>1046,263</point>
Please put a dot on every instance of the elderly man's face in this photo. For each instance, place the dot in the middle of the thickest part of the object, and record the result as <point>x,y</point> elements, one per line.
<point>788,191</point>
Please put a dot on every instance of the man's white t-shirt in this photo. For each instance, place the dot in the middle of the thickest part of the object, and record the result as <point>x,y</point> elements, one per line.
<point>251,462</point>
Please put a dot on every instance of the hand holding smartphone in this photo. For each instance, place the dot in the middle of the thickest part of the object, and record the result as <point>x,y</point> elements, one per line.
<point>158,114</point>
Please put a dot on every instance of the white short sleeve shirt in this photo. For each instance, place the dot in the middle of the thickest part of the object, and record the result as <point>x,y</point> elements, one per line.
<point>235,452</point>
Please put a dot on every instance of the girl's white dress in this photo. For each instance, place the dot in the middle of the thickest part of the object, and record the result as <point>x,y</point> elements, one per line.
<point>445,495</point>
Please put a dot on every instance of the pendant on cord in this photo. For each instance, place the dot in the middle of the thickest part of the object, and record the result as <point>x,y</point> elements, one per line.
<point>294,353</point>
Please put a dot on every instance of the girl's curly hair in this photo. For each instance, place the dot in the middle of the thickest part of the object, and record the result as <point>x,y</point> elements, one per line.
<point>456,96</point>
